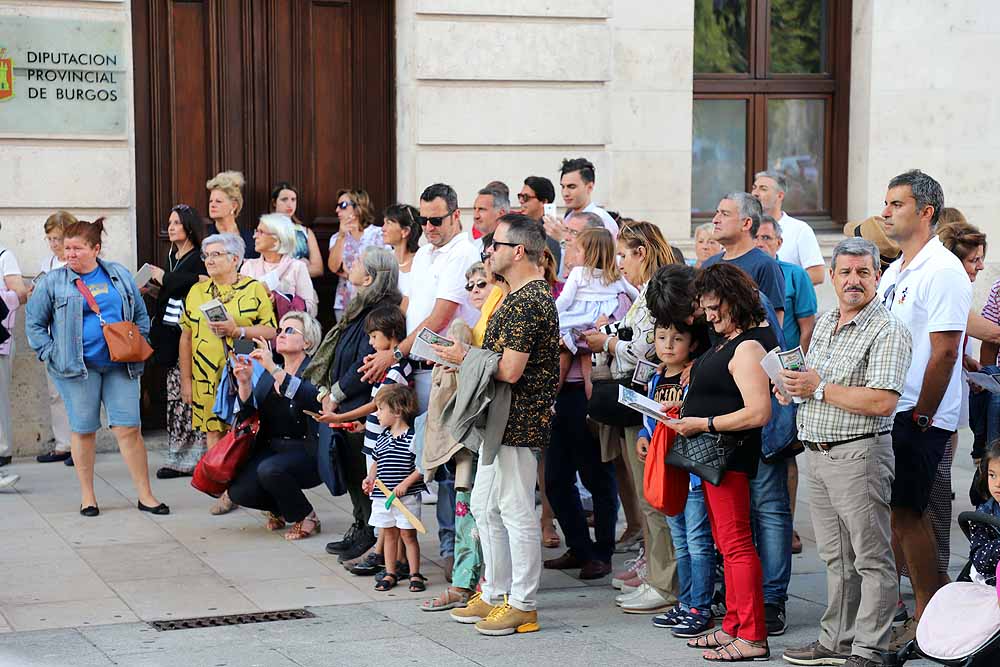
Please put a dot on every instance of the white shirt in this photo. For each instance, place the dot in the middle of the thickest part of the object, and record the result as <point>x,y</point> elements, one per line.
<point>798,243</point>
<point>439,273</point>
<point>933,294</point>
<point>609,222</point>
<point>50,263</point>
<point>8,263</point>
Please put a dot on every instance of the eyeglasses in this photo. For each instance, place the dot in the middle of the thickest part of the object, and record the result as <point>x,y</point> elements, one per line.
<point>506,243</point>
<point>288,331</point>
<point>474,284</point>
<point>523,198</point>
<point>205,256</point>
<point>344,204</point>
<point>435,221</point>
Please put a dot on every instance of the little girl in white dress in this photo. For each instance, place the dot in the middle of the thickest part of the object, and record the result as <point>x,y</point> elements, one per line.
<point>591,290</point>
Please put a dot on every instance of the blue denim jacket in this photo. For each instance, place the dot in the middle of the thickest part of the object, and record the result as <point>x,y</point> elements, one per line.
<point>53,319</point>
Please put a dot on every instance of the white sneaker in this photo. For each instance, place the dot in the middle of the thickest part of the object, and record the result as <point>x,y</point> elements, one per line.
<point>646,600</point>
<point>8,480</point>
<point>430,496</point>
<point>627,594</point>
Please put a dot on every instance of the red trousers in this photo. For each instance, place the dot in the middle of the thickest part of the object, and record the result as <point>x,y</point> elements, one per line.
<point>729,515</point>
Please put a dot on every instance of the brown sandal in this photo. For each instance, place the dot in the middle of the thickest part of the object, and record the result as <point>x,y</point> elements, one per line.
<point>731,652</point>
<point>299,532</point>
<point>449,599</point>
<point>274,522</point>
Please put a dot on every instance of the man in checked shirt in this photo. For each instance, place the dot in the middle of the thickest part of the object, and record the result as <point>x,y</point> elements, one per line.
<point>857,366</point>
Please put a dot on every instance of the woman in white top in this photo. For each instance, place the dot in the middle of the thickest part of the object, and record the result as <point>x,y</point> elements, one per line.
<point>277,268</point>
<point>55,225</point>
<point>401,232</point>
<point>357,232</point>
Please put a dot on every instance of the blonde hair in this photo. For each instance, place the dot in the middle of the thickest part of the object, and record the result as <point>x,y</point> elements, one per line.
<point>598,248</point>
<point>704,228</point>
<point>59,220</point>
<point>230,183</point>
<point>949,214</point>
<point>362,205</point>
<point>647,235</point>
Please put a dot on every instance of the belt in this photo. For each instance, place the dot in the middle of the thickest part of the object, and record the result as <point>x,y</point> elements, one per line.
<point>826,446</point>
<point>422,365</point>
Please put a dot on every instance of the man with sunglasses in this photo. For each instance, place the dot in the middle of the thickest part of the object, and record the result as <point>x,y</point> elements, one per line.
<point>536,193</point>
<point>437,296</point>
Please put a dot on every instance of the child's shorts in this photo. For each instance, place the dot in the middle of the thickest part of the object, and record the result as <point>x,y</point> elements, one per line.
<point>392,517</point>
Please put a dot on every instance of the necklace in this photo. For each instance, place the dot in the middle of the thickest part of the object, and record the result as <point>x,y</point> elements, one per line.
<point>215,293</point>
<point>178,257</point>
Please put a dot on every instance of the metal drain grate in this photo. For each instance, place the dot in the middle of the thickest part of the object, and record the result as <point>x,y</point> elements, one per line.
<point>231,619</point>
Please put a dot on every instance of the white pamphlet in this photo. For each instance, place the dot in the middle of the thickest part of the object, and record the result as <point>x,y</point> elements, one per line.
<point>214,311</point>
<point>633,399</point>
<point>772,365</point>
<point>422,347</point>
<point>143,275</point>
<point>988,382</point>
<point>270,280</point>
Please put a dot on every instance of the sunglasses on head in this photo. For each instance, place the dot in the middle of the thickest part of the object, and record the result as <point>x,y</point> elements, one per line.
<point>434,221</point>
<point>288,331</point>
<point>473,284</point>
<point>344,204</point>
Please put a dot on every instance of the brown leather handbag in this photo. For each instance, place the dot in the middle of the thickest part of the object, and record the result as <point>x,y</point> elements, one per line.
<point>125,342</point>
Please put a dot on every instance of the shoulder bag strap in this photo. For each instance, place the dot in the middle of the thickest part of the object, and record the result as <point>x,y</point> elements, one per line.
<point>85,291</point>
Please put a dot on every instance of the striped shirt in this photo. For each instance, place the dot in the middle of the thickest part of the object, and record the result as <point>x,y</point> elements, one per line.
<point>395,460</point>
<point>872,350</point>
<point>991,311</point>
<point>398,373</point>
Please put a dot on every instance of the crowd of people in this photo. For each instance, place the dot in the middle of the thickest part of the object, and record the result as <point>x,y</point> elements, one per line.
<point>489,367</point>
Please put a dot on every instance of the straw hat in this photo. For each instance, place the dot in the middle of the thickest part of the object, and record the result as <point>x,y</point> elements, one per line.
<point>873,229</point>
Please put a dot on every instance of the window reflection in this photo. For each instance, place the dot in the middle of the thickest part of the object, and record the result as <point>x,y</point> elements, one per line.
<point>719,152</point>
<point>798,36</point>
<point>795,147</point>
<point>720,36</point>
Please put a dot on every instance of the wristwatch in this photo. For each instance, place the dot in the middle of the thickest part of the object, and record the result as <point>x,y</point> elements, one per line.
<point>711,424</point>
<point>607,341</point>
<point>923,422</point>
<point>397,354</point>
<point>820,388</point>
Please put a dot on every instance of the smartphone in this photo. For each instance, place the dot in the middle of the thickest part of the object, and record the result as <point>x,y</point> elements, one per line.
<point>243,346</point>
<point>550,210</point>
<point>314,415</point>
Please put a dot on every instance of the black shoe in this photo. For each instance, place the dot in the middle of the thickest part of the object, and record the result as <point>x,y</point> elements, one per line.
<point>402,571</point>
<point>774,618</point>
<point>364,541</point>
<point>160,509</point>
<point>69,461</point>
<point>170,473</point>
<point>369,566</point>
<point>342,545</point>
<point>4,460</point>
<point>53,457</point>
<point>90,510</point>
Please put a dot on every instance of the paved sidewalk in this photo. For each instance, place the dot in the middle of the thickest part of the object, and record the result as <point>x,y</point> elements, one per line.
<point>79,591</point>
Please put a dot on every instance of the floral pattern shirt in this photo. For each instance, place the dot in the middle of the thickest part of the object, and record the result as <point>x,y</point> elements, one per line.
<point>627,353</point>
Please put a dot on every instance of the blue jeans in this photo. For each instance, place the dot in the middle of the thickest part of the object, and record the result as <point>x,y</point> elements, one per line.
<point>111,386</point>
<point>771,520</point>
<point>695,552</point>
<point>445,510</point>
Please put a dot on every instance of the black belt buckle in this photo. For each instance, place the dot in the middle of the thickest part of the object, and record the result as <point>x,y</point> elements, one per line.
<point>817,446</point>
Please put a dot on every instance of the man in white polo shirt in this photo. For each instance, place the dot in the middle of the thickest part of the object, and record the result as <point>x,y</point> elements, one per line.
<point>799,246</point>
<point>928,290</point>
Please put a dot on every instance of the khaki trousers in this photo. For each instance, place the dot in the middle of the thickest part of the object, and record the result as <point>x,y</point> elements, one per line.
<point>661,564</point>
<point>851,487</point>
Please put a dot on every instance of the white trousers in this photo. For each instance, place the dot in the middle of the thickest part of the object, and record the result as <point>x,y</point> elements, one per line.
<point>60,420</point>
<point>6,428</point>
<point>503,502</point>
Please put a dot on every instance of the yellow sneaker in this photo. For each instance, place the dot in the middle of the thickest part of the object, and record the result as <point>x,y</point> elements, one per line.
<point>506,620</point>
<point>476,610</point>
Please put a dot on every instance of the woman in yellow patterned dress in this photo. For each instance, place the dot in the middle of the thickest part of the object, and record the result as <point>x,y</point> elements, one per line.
<point>202,354</point>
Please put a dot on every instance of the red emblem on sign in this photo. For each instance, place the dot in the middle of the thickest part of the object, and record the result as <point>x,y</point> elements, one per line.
<point>6,76</point>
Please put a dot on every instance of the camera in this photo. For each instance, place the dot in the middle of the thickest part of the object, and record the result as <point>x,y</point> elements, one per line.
<point>616,329</point>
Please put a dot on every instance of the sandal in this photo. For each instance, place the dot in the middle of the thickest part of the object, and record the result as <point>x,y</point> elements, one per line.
<point>223,506</point>
<point>387,582</point>
<point>418,583</point>
<point>731,652</point>
<point>709,641</point>
<point>299,532</point>
<point>449,599</point>
<point>550,538</point>
<point>274,522</point>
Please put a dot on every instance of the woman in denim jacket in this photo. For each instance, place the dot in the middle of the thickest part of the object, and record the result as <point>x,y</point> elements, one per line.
<point>67,335</point>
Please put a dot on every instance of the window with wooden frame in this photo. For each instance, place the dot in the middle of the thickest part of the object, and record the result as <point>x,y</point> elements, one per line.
<point>771,92</point>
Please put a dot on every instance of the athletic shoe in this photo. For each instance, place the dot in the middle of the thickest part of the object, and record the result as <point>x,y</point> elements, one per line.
<point>693,624</point>
<point>646,600</point>
<point>506,620</point>
<point>669,619</point>
<point>902,615</point>
<point>477,609</point>
<point>8,480</point>
<point>774,617</point>
<point>631,571</point>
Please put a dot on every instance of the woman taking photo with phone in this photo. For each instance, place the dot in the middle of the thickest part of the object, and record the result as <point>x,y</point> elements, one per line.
<point>354,210</point>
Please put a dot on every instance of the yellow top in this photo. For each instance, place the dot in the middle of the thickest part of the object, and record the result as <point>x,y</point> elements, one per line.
<point>490,305</point>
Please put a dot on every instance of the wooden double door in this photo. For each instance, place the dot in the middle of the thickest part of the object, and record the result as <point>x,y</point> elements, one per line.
<point>294,90</point>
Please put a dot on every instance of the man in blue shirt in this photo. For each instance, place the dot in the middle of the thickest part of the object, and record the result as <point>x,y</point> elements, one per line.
<point>736,221</point>
<point>800,295</point>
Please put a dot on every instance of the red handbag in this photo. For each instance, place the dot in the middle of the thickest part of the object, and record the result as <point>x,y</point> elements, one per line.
<point>219,465</point>
<point>665,486</point>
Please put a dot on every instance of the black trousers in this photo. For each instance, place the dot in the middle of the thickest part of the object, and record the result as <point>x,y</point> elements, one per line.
<point>273,479</point>
<point>573,449</point>
<point>355,471</point>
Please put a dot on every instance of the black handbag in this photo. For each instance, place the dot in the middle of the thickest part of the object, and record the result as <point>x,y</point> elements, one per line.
<point>707,455</point>
<point>604,407</point>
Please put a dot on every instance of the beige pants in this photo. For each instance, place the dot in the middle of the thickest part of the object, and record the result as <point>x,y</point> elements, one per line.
<point>660,561</point>
<point>851,486</point>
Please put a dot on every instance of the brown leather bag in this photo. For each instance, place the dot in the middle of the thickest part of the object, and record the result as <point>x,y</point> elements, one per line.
<point>125,342</point>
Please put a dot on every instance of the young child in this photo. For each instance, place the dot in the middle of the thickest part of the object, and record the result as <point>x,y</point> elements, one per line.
<point>590,291</point>
<point>676,346</point>
<point>984,546</point>
<point>395,465</point>
<point>386,327</point>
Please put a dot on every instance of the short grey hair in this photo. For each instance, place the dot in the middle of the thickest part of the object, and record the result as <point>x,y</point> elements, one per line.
<point>925,189</point>
<point>856,246</point>
<point>500,197</point>
<point>475,269</point>
<point>778,178</point>
<point>707,227</point>
<point>590,219</point>
<point>749,207</point>
<point>281,226</point>
<point>232,243</point>
<point>769,220</point>
<point>312,332</point>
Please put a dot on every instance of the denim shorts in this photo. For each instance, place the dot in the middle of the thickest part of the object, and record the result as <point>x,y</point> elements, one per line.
<point>917,455</point>
<point>109,386</point>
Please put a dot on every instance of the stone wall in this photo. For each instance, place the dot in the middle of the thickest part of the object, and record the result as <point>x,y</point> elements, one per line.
<point>493,89</point>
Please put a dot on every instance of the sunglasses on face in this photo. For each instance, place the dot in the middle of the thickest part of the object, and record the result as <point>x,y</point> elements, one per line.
<point>344,204</point>
<point>521,197</point>
<point>434,221</point>
<point>475,284</point>
<point>288,331</point>
<point>506,243</point>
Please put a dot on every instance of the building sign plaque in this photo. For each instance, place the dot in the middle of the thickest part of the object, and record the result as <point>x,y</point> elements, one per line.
<point>63,78</point>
